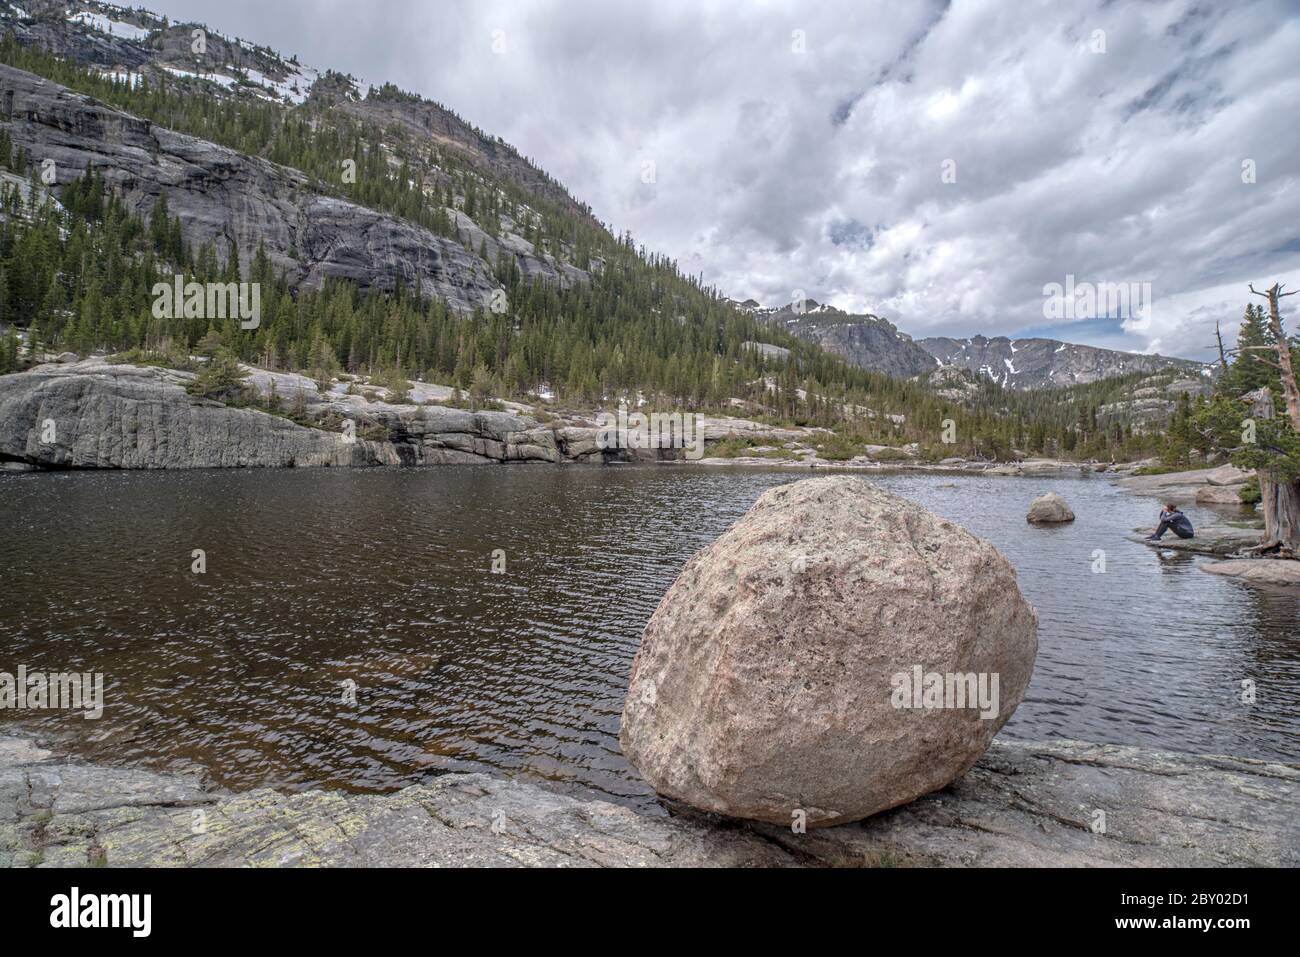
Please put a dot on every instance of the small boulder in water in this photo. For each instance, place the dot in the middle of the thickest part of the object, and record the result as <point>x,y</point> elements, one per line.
<point>837,652</point>
<point>1049,509</point>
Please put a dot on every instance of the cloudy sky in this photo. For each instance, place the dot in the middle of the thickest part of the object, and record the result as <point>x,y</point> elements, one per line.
<point>938,164</point>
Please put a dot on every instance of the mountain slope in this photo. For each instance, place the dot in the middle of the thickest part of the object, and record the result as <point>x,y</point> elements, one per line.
<point>222,197</point>
<point>866,341</point>
<point>442,255</point>
<point>1046,363</point>
<point>380,229</point>
<point>446,228</point>
<point>135,44</point>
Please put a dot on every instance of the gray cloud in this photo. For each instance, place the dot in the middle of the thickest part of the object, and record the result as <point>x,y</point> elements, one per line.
<point>799,149</point>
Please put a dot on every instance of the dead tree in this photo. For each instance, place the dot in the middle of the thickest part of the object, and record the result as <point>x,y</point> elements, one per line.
<point>1281,496</point>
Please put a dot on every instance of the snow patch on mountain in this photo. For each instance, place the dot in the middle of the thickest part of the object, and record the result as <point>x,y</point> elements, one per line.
<point>294,88</point>
<point>97,21</point>
<point>218,78</point>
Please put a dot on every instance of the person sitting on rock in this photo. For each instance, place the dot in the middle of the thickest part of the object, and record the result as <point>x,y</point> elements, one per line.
<point>1172,518</point>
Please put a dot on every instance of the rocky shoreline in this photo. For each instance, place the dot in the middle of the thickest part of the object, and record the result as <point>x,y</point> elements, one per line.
<point>1219,486</point>
<point>1052,804</point>
<point>97,415</point>
<point>1225,540</point>
<point>103,414</point>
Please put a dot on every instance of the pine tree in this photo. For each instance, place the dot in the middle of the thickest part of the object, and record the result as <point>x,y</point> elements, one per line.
<point>1254,350</point>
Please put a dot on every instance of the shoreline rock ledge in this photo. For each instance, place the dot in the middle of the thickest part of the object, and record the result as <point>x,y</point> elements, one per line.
<point>837,652</point>
<point>1024,804</point>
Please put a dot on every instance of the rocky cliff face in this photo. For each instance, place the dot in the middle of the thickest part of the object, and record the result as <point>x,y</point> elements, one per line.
<point>434,123</point>
<point>1044,363</point>
<point>223,197</point>
<point>87,416</point>
<point>220,195</point>
<point>1152,401</point>
<point>94,415</point>
<point>952,384</point>
<point>126,42</point>
<point>874,343</point>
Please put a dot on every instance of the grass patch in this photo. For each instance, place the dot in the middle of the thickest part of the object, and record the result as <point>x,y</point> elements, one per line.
<point>891,455</point>
<point>838,448</point>
<point>155,359</point>
<point>736,446</point>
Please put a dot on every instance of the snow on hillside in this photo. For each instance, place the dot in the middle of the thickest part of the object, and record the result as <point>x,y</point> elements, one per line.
<point>122,76</point>
<point>218,78</point>
<point>292,89</point>
<point>97,21</point>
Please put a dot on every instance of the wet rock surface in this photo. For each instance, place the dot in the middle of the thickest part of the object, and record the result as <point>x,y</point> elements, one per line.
<point>1260,571</point>
<point>1209,540</point>
<point>1023,804</point>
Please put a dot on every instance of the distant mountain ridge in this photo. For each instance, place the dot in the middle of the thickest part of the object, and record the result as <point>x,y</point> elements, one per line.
<point>1047,363</point>
<point>869,341</point>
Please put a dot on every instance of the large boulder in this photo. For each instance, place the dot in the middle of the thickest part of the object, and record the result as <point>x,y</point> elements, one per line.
<point>1049,509</point>
<point>1219,495</point>
<point>1181,487</point>
<point>784,670</point>
<point>1228,475</point>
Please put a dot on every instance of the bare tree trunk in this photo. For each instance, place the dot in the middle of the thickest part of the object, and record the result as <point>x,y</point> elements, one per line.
<point>1223,358</point>
<point>1289,390</point>
<point>1281,514</point>
<point>1280,499</point>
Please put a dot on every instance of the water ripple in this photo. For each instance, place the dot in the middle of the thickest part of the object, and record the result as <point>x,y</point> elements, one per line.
<point>384,578</point>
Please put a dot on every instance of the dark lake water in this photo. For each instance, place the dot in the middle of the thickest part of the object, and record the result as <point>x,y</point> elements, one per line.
<point>384,578</point>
